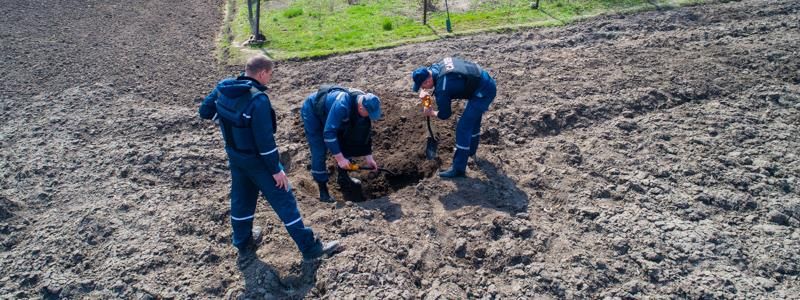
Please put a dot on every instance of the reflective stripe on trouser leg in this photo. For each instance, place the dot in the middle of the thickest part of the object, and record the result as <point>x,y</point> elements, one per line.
<point>487,91</point>
<point>316,144</point>
<point>244,194</point>
<point>475,139</point>
<point>464,130</point>
<point>285,205</point>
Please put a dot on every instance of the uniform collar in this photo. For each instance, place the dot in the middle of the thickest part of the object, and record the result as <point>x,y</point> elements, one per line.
<point>255,82</point>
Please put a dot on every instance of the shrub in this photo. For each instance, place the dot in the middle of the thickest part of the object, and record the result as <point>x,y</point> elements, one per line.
<point>292,12</point>
<point>387,24</point>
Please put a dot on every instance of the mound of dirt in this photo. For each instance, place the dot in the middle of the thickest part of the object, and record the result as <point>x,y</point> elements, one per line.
<point>626,156</point>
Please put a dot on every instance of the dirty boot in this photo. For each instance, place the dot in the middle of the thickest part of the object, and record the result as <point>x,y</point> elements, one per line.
<point>346,182</point>
<point>321,250</point>
<point>324,196</point>
<point>247,252</point>
<point>452,173</point>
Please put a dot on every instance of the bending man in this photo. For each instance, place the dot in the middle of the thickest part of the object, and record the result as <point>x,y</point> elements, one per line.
<point>339,120</point>
<point>454,78</point>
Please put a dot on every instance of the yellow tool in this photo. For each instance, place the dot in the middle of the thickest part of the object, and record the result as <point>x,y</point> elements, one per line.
<point>432,144</point>
<point>427,102</point>
<point>356,167</point>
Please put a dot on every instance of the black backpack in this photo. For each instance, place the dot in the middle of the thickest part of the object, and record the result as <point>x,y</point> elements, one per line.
<point>319,100</point>
<point>467,70</point>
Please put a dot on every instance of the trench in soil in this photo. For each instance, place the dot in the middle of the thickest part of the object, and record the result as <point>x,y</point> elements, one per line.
<point>399,140</point>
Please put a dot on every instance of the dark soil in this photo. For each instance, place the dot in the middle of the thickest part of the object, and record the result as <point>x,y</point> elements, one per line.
<point>633,156</point>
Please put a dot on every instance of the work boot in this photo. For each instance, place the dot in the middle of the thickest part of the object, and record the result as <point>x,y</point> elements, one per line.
<point>247,252</point>
<point>321,250</point>
<point>324,196</point>
<point>345,181</point>
<point>452,173</point>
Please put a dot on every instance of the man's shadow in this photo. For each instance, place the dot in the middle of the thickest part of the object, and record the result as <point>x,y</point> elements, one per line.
<point>391,211</point>
<point>497,192</point>
<point>262,281</point>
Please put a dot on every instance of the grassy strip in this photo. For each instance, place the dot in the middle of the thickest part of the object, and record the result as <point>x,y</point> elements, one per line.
<point>225,37</point>
<point>309,28</point>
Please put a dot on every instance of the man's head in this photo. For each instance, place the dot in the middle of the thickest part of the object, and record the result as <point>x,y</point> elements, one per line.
<point>422,79</point>
<point>369,105</point>
<point>259,67</point>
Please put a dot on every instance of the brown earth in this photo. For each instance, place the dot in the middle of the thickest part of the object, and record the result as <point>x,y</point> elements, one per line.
<point>642,156</point>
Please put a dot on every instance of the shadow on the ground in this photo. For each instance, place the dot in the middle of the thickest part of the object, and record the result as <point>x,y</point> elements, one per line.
<point>391,211</point>
<point>497,192</point>
<point>262,281</point>
<point>654,4</point>
<point>436,33</point>
<point>561,22</point>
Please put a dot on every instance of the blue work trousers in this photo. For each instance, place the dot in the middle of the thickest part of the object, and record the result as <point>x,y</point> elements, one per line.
<point>314,128</point>
<point>468,129</point>
<point>248,177</point>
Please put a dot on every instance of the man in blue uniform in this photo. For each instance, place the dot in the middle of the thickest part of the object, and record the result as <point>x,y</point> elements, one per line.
<point>454,78</point>
<point>245,116</point>
<point>340,120</point>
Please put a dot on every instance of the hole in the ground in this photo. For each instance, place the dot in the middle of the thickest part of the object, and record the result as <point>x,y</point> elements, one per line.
<point>376,185</point>
<point>399,146</point>
<point>407,169</point>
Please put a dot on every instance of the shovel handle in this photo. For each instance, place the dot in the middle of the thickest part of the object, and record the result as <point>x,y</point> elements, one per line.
<point>355,167</point>
<point>430,131</point>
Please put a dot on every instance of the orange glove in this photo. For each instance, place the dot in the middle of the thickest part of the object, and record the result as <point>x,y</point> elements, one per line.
<point>427,101</point>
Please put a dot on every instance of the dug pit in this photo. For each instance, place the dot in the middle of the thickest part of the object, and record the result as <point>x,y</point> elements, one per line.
<point>399,147</point>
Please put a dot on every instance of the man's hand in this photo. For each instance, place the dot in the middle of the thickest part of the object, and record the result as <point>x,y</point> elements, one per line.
<point>371,162</point>
<point>343,163</point>
<point>281,181</point>
<point>423,93</point>
<point>430,112</point>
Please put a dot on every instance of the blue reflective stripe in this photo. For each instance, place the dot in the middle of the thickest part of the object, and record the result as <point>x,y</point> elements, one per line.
<point>295,221</point>
<point>268,152</point>
<point>319,172</point>
<point>242,219</point>
<point>330,140</point>
<point>461,147</point>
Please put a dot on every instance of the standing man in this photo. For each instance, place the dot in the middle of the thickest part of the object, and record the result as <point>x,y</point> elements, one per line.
<point>339,120</point>
<point>245,116</point>
<point>454,78</point>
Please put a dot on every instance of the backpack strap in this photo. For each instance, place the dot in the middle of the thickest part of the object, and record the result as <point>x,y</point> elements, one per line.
<point>241,112</point>
<point>319,100</point>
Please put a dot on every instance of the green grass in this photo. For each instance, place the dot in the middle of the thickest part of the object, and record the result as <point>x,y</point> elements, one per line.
<point>308,28</point>
<point>292,12</point>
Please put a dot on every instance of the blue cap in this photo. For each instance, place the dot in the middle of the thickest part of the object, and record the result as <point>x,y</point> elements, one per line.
<point>419,75</point>
<point>373,106</point>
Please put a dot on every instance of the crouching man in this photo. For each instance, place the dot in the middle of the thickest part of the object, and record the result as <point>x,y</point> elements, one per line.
<point>340,120</point>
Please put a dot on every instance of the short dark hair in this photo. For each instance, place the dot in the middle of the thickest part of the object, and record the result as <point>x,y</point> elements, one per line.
<point>257,64</point>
